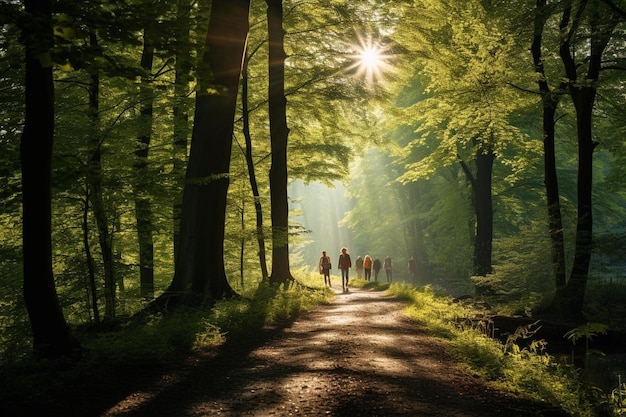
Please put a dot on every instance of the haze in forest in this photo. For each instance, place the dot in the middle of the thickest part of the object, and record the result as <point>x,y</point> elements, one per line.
<point>182,154</point>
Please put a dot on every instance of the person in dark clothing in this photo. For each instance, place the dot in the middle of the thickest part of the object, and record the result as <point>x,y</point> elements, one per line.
<point>412,267</point>
<point>345,263</point>
<point>376,265</point>
<point>358,264</point>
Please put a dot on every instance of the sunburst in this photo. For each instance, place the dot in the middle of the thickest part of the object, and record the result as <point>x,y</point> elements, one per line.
<point>371,60</point>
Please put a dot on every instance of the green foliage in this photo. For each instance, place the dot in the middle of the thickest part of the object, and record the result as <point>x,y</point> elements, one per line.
<point>530,371</point>
<point>618,398</point>
<point>466,69</point>
<point>437,315</point>
<point>605,302</point>
<point>521,277</point>
<point>586,332</point>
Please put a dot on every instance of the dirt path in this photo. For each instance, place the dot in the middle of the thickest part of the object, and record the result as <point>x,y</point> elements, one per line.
<point>357,356</point>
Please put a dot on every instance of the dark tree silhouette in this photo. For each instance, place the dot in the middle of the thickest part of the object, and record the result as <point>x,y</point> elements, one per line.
<point>582,86</point>
<point>200,271</point>
<point>550,100</point>
<point>279,133</point>
<point>52,337</point>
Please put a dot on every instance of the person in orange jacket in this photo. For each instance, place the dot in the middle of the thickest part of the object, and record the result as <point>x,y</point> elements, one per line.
<point>367,267</point>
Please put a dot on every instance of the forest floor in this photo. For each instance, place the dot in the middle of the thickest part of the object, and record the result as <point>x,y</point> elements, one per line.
<point>357,356</point>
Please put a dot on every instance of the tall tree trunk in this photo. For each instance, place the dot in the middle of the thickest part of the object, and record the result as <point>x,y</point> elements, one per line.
<point>51,335</point>
<point>200,271</point>
<point>484,213</point>
<point>550,101</point>
<point>584,100</point>
<point>143,205</point>
<point>258,208</point>
<point>92,291</point>
<point>94,181</point>
<point>279,133</point>
<point>482,204</point>
<point>181,110</point>
<point>602,22</point>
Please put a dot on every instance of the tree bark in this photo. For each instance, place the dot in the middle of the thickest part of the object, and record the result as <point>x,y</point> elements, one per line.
<point>92,292</point>
<point>279,133</point>
<point>181,111</point>
<point>602,22</point>
<point>200,271</point>
<point>258,208</point>
<point>52,337</point>
<point>143,205</point>
<point>484,213</point>
<point>550,101</point>
<point>94,181</point>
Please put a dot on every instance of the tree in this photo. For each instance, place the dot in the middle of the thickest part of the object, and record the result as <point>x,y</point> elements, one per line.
<point>51,335</point>
<point>181,109</point>
<point>142,178</point>
<point>258,208</point>
<point>465,58</point>
<point>200,268</point>
<point>549,100</point>
<point>279,133</point>
<point>582,84</point>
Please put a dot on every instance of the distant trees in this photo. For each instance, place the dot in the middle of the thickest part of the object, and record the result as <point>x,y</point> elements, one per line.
<point>465,114</point>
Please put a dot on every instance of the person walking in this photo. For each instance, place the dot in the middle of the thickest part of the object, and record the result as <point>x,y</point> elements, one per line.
<point>358,265</point>
<point>376,265</point>
<point>412,267</point>
<point>325,267</point>
<point>367,267</point>
<point>345,263</point>
<point>387,266</point>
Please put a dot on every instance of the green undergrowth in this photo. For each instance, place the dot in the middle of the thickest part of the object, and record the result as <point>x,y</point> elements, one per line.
<point>160,339</point>
<point>528,371</point>
<point>201,328</point>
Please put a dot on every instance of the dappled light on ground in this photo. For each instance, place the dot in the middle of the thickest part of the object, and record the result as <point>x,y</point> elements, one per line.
<point>358,356</point>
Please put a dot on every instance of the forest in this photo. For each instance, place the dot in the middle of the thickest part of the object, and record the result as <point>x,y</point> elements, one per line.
<point>160,154</point>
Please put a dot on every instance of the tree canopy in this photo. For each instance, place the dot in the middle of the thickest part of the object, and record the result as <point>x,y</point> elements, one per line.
<point>411,129</point>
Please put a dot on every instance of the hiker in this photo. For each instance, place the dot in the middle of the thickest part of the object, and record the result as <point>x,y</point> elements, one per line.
<point>358,265</point>
<point>367,267</point>
<point>412,266</point>
<point>325,267</point>
<point>345,263</point>
<point>376,266</point>
<point>387,266</point>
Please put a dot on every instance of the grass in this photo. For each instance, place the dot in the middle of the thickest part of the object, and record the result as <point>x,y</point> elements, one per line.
<point>530,372</point>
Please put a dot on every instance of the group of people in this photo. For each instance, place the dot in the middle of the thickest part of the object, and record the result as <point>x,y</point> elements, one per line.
<point>363,266</point>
